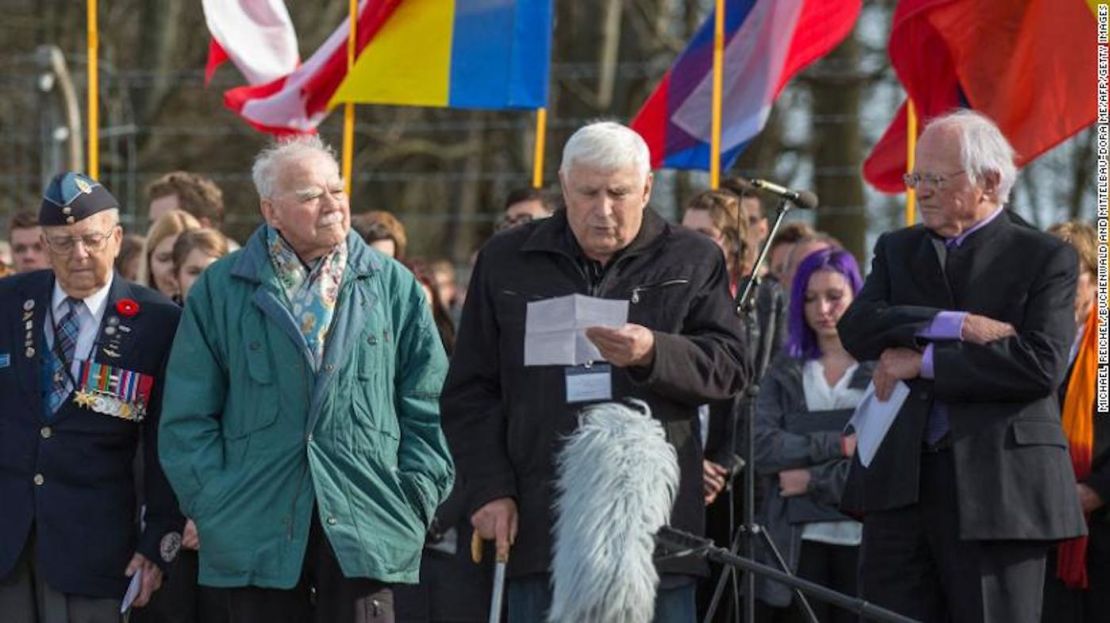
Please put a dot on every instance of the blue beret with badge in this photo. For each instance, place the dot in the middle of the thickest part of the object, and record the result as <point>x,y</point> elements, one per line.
<point>71,197</point>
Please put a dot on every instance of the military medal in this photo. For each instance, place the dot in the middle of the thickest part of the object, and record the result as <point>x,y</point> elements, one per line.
<point>111,390</point>
<point>83,398</point>
<point>114,334</point>
<point>29,327</point>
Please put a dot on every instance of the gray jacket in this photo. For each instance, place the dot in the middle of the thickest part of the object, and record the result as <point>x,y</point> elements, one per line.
<point>778,449</point>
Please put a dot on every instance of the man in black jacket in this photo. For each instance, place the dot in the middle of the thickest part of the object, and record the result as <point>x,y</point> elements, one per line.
<point>973,311</point>
<point>680,348</point>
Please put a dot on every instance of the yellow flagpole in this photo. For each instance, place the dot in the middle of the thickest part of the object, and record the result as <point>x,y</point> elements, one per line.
<point>349,107</point>
<point>537,157</point>
<point>911,146</point>
<point>718,79</point>
<point>93,103</point>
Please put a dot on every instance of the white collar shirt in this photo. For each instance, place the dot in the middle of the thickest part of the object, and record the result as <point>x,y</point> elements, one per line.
<point>89,315</point>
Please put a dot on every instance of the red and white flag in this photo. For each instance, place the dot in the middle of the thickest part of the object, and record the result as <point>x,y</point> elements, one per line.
<point>297,101</point>
<point>256,35</point>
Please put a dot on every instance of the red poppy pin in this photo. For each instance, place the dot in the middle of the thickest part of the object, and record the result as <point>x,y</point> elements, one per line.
<point>127,307</point>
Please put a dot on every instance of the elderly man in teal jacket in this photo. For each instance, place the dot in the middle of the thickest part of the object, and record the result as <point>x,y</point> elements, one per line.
<point>300,426</point>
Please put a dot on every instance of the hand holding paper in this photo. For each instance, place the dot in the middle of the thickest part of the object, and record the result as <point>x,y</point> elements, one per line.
<point>629,345</point>
<point>132,592</point>
<point>146,577</point>
<point>873,418</point>
<point>895,365</point>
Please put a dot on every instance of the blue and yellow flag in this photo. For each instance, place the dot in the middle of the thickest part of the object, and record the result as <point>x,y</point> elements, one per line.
<point>485,54</point>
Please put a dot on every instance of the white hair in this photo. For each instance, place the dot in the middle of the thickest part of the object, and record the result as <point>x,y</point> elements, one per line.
<point>269,161</point>
<point>983,148</point>
<point>607,146</point>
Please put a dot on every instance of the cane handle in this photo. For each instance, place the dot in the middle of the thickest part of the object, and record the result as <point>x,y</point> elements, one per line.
<point>476,547</point>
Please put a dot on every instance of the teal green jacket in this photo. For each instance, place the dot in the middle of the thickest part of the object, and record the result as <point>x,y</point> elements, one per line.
<point>253,440</point>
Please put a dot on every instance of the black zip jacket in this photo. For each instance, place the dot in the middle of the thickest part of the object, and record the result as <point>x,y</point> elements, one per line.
<point>505,422</point>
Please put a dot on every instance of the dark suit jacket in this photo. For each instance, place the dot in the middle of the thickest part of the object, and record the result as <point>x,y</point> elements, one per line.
<point>1013,476</point>
<point>83,513</point>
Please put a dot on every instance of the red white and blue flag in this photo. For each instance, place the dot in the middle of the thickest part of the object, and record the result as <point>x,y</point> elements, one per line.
<point>767,42</point>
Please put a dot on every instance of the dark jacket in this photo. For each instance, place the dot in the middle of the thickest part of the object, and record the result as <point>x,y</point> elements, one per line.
<point>83,511</point>
<point>766,329</point>
<point>505,421</point>
<point>1013,476</point>
<point>778,448</point>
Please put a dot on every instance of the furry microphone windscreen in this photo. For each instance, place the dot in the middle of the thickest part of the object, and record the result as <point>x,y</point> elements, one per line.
<point>616,483</point>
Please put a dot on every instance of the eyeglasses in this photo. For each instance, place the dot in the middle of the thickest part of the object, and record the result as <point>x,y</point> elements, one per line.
<point>936,180</point>
<point>93,241</point>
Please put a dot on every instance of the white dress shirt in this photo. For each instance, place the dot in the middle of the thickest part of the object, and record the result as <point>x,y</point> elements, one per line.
<point>89,315</point>
<point>821,397</point>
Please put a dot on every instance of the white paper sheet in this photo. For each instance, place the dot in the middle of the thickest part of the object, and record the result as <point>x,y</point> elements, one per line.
<point>555,329</point>
<point>132,591</point>
<point>873,418</point>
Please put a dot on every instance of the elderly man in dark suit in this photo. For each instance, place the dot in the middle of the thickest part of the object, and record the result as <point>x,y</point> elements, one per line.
<point>973,311</point>
<point>82,359</point>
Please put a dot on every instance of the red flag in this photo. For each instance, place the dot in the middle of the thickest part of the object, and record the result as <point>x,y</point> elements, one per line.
<point>1022,63</point>
<point>216,56</point>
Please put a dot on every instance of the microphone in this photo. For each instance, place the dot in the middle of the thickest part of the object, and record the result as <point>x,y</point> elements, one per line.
<point>801,198</point>
<point>617,478</point>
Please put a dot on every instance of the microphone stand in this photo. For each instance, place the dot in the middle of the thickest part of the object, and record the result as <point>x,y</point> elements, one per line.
<point>686,544</point>
<point>747,531</point>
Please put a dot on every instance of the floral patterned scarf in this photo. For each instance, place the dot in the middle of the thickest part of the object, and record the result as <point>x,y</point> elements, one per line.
<point>310,291</point>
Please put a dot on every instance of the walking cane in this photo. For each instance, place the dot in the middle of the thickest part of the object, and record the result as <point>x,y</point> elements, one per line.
<point>502,560</point>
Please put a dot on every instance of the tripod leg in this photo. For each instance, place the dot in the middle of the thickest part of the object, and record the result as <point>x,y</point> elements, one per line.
<point>810,615</point>
<point>736,599</point>
<point>723,581</point>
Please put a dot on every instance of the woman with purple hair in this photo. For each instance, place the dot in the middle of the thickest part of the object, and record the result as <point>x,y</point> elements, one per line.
<point>807,396</point>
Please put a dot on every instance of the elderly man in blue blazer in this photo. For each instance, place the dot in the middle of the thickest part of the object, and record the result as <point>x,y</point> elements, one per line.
<point>82,360</point>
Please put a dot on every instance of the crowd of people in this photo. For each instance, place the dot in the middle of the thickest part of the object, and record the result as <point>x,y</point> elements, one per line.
<point>314,425</point>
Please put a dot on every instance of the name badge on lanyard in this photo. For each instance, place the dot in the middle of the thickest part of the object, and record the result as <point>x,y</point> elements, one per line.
<point>589,383</point>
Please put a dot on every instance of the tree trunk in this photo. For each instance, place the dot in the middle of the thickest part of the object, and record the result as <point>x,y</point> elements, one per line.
<point>836,86</point>
<point>463,239</point>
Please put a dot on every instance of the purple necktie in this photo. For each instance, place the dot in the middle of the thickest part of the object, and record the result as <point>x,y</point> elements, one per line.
<point>936,427</point>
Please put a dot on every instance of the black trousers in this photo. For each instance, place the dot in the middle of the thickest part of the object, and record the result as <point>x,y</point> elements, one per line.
<point>832,566</point>
<point>913,561</point>
<point>1065,605</point>
<point>323,594</point>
